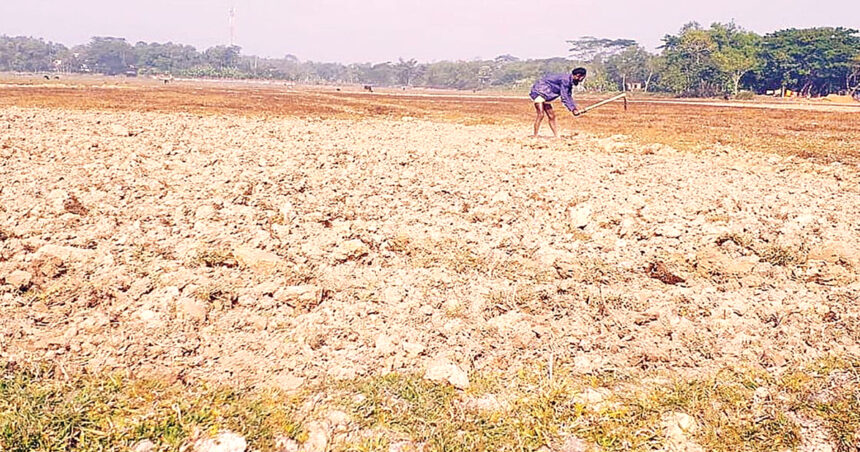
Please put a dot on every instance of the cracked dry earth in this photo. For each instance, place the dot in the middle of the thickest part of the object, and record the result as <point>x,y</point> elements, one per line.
<point>286,251</point>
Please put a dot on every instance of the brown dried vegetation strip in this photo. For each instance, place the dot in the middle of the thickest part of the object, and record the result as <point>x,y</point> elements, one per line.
<point>821,135</point>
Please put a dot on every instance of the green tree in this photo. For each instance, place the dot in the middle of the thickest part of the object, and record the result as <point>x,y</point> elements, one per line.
<point>631,65</point>
<point>589,49</point>
<point>692,52</point>
<point>165,58</point>
<point>813,61</point>
<point>506,58</point>
<point>108,55</point>
<point>853,82</point>
<point>380,74</point>
<point>25,54</point>
<point>737,52</point>
<point>407,71</point>
<point>222,57</point>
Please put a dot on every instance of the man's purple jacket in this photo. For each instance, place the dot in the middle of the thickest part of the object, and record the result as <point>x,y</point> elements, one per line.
<point>554,85</point>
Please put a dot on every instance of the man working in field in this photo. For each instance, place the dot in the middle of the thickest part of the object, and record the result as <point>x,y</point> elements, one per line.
<point>550,88</point>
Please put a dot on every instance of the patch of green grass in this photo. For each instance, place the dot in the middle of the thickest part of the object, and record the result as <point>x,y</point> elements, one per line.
<point>728,412</point>
<point>372,444</point>
<point>43,411</point>
<point>830,393</point>
<point>734,409</point>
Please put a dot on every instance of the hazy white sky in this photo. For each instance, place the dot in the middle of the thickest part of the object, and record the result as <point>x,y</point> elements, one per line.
<point>381,30</point>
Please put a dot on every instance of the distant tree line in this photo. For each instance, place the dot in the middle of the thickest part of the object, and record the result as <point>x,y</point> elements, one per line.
<point>723,59</point>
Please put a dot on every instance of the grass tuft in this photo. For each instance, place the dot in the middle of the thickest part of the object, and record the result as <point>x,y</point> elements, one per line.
<point>734,409</point>
<point>40,410</point>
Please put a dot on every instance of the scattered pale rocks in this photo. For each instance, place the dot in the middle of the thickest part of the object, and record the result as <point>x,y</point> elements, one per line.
<point>588,363</point>
<point>343,373</point>
<point>679,427</point>
<point>222,442</point>
<point>318,437</point>
<point>835,252</point>
<point>285,444</point>
<point>501,197</point>
<point>65,253</point>
<point>151,319</point>
<point>391,295</point>
<point>669,231</point>
<point>442,369</point>
<point>192,309</point>
<point>486,403</point>
<point>304,294</point>
<point>627,228</point>
<point>594,397</point>
<point>139,288</point>
<point>170,293</point>
<point>413,349</point>
<point>405,446</point>
<point>826,273</point>
<point>804,220</point>
<point>144,446</point>
<point>288,382</point>
<point>573,444</point>
<point>257,259</point>
<point>350,250</point>
<point>119,130</point>
<point>57,200</point>
<point>713,261</point>
<point>580,215</point>
<point>287,211</point>
<point>267,288</point>
<point>258,322</point>
<point>205,212</point>
<point>19,279</point>
<point>338,420</point>
<point>505,321</point>
<point>94,323</point>
<point>385,345</point>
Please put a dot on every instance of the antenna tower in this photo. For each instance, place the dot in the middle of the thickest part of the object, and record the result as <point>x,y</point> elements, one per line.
<point>231,19</point>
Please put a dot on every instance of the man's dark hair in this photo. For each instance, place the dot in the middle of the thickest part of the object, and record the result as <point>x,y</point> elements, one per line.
<point>579,71</point>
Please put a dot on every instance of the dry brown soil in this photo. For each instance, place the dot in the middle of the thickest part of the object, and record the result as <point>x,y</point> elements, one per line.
<point>283,235</point>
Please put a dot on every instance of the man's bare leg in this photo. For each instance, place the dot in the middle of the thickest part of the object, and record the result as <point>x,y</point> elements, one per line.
<point>550,113</point>
<point>538,118</point>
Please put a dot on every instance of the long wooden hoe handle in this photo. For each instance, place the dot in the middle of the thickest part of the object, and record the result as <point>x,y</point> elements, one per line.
<point>603,102</point>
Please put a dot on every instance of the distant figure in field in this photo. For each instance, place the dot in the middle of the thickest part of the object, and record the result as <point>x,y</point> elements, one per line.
<point>550,88</point>
<point>368,88</point>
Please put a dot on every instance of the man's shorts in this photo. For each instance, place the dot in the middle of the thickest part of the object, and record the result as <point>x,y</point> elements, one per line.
<point>539,100</point>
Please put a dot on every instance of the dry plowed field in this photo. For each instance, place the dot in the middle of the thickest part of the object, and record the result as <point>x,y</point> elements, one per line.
<point>416,273</point>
